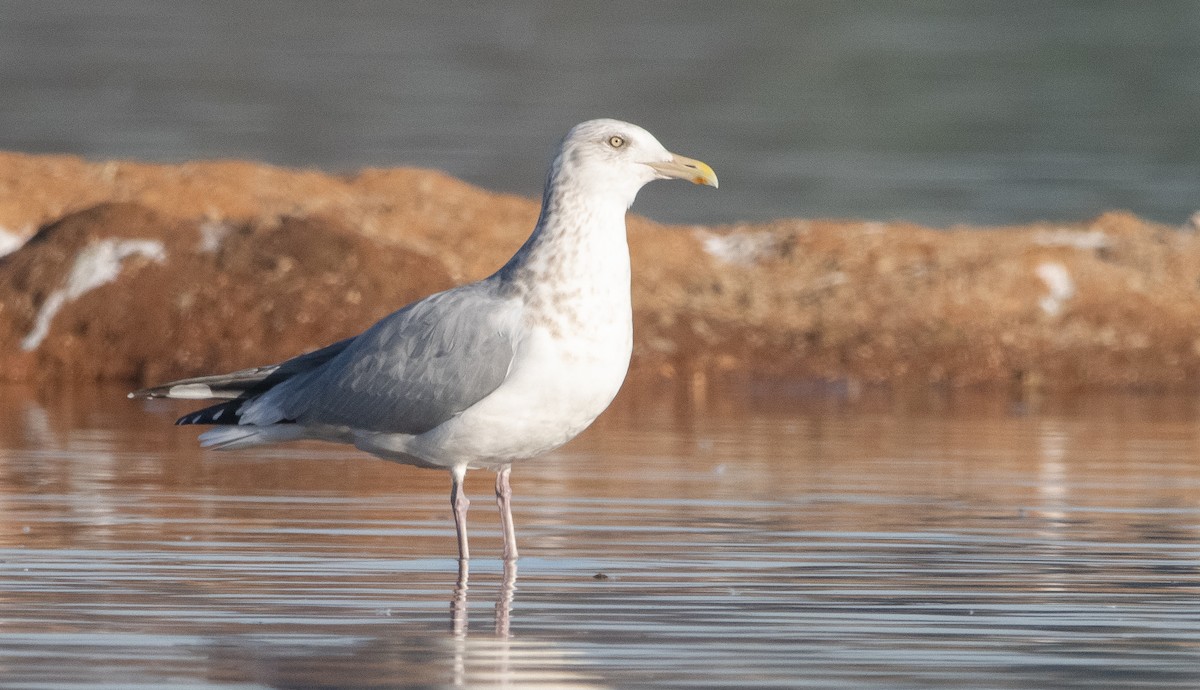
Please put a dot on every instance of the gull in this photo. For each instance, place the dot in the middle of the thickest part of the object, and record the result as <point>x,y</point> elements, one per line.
<point>484,374</point>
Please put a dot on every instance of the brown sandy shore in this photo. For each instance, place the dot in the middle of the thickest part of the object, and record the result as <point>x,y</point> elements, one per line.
<point>139,272</point>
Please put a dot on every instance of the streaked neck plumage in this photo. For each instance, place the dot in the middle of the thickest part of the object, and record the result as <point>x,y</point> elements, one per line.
<point>574,269</point>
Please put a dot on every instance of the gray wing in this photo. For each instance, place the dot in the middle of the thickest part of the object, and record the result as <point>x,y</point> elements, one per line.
<point>408,373</point>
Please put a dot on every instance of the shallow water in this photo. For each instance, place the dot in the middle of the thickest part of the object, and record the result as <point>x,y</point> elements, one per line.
<point>763,538</point>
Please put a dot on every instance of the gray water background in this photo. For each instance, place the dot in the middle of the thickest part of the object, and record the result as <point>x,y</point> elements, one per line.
<point>940,112</point>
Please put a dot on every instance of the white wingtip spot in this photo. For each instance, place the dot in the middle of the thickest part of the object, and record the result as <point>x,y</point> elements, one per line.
<point>190,391</point>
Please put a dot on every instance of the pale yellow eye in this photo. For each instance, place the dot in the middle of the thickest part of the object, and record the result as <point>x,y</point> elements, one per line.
<point>616,141</point>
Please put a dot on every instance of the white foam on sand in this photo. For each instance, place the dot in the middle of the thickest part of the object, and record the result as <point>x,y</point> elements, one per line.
<point>1077,239</point>
<point>1058,279</point>
<point>212,234</point>
<point>740,247</point>
<point>10,241</point>
<point>96,264</point>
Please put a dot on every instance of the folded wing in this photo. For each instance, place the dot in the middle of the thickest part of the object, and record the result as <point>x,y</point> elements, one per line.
<point>407,374</point>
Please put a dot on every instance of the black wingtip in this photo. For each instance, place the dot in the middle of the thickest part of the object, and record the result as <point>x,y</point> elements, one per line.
<point>228,412</point>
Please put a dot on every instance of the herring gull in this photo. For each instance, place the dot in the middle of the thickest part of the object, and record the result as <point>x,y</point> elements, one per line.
<point>483,374</point>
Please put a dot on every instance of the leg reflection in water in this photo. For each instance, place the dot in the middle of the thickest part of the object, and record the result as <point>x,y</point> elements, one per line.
<point>504,599</point>
<point>458,603</point>
<point>498,650</point>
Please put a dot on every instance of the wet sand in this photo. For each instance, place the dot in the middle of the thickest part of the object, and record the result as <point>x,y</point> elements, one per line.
<point>765,538</point>
<point>212,266</point>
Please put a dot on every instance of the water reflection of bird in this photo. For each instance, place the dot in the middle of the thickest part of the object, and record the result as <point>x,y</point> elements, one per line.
<point>412,651</point>
<point>504,600</point>
<point>483,374</point>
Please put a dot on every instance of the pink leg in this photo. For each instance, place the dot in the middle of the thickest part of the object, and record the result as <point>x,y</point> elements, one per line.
<point>504,503</point>
<point>460,503</point>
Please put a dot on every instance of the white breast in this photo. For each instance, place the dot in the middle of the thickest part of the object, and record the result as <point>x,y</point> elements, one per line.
<point>572,346</point>
<point>556,388</point>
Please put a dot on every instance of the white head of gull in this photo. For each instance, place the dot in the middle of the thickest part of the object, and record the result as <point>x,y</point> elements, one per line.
<point>484,374</point>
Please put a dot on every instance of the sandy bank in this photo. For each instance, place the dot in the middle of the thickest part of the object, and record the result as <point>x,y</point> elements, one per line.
<point>139,272</point>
